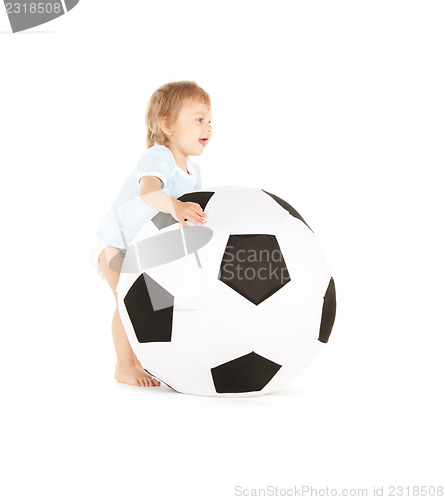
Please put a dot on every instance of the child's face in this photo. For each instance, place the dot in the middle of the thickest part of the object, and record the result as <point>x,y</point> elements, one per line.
<point>192,131</point>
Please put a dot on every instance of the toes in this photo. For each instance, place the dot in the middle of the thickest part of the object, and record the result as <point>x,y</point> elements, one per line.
<point>147,382</point>
<point>152,382</point>
<point>143,381</point>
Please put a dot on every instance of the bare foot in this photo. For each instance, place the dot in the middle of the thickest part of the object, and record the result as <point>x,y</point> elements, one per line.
<point>138,364</point>
<point>132,375</point>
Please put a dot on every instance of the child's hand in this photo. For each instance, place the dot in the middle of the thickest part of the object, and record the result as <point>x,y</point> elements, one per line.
<point>188,210</point>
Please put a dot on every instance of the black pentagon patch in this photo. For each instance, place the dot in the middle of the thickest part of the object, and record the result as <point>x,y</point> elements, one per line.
<point>287,207</point>
<point>201,197</point>
<point>161,219</point>
<point>248,373</point>
<point>150,308</point>
<point>328,313</point>
<point>253,266</point>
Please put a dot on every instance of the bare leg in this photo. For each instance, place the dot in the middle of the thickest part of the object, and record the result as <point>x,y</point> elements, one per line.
<point>128,368</point>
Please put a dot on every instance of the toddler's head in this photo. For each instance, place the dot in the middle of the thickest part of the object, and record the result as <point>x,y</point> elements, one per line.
<point>165,105</point>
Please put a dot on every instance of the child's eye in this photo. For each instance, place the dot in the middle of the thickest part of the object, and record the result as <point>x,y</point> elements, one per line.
<point>200,120</point>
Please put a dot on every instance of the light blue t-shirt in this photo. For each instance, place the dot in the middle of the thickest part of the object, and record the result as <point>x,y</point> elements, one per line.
<point>129,213</point>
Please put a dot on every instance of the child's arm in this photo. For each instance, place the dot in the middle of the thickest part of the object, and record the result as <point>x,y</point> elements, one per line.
<point>152,194</point>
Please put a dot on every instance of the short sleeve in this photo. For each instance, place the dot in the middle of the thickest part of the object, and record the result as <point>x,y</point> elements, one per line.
<point>156,161</point>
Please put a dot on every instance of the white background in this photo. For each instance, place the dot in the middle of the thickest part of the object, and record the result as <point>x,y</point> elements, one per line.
<point>337,107</point>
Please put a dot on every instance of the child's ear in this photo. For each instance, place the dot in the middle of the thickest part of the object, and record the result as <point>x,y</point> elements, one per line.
<point>165,125</point>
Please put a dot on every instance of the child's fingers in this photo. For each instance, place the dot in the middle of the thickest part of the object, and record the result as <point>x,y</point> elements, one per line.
<point>192,212</point>
<point>201,216</point>
<point>201,213</point>
<point>199,210</point>
<point>194,217</point>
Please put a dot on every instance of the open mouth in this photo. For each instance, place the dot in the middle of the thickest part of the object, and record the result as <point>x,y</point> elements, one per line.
<point>203,142</point>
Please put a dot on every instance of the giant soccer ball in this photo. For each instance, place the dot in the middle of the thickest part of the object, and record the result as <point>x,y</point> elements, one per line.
<point>236,307</point>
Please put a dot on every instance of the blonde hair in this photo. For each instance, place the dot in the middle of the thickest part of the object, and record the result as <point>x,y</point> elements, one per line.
<point>166,102</point>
